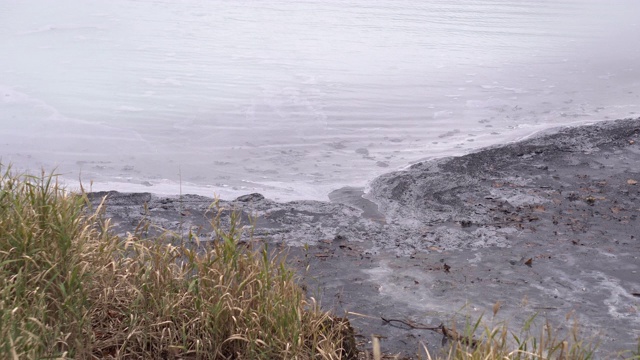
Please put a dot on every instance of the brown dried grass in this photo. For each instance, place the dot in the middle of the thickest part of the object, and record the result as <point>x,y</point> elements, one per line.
<point>71,289</point>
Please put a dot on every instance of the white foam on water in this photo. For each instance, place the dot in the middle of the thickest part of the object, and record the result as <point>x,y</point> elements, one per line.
<point>281,98</point>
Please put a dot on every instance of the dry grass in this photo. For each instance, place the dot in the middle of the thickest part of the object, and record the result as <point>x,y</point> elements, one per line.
<point>535,341</point>
<point>70,289</point>
<point>531,343</point>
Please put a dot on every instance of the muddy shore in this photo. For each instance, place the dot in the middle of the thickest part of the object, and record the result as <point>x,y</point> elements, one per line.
<point>548,225</point>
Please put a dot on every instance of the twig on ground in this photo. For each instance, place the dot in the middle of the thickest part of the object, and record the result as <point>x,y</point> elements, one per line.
<point>451,334</point>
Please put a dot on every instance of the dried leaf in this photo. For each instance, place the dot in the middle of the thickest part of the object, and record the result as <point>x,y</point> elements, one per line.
<point>496,307</point>
<point>446,268</point>
<point>529,262</point>
<point>615,209</point>
<point>631,182</point>
<point>538,208</point>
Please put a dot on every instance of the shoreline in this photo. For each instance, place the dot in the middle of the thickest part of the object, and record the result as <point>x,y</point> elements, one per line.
<point>280,191</point>
<point>565,199</point>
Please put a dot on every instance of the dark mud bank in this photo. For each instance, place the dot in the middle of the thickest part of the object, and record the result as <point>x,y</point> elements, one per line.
<point>548,225</point>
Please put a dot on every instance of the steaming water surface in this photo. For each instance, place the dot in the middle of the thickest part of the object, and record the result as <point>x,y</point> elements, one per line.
<point>297,98</point>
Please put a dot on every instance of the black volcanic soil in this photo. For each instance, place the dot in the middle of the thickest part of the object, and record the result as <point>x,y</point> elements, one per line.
<point>548,225</point>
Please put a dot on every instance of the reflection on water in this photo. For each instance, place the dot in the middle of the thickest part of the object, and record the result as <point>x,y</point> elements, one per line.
<point>295,99</point>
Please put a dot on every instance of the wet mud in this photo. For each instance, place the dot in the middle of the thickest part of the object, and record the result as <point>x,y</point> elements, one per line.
<point>546,226</point>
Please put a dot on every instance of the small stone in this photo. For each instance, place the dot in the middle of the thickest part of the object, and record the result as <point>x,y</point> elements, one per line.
<point>250,197</point>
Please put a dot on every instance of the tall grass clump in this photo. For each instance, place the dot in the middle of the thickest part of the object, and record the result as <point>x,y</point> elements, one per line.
<point>71,289</point>
<point>533,342</point>
<point>44,267</point>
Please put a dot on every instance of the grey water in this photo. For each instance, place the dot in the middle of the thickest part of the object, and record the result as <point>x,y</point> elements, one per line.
<point>295,99</point>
